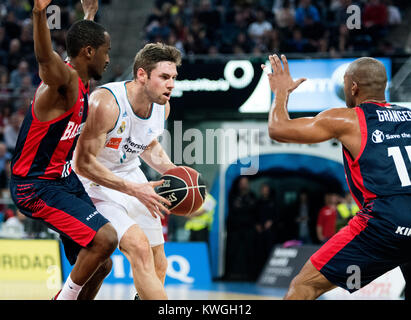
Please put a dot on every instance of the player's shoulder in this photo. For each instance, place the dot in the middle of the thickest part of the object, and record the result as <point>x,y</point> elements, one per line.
<point>338,113</point>
<point>103,101</point>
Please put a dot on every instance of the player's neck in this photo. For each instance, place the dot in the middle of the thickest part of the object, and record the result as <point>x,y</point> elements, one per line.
<point>81,69</point>
<point>371,98</point>
<point>138,100</point>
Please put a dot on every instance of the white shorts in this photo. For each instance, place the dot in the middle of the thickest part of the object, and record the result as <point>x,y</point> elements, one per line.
<point>123,210</point>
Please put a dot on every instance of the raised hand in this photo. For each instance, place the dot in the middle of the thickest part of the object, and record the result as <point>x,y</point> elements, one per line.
<point>40,5</point>
<point>90,8</point>
<point>280,79</point>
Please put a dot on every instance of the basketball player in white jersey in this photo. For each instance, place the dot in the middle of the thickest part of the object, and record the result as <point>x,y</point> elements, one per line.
<point>124,121</point>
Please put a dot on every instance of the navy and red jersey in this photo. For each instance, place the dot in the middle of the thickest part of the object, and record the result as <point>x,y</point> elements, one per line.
<point>383,166</point>
<point>44,150</point>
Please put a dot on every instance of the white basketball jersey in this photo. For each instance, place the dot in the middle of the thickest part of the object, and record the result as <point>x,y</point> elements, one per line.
<point>131,134</point>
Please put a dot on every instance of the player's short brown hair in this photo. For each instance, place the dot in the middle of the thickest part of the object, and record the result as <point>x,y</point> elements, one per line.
<point>152,53</point>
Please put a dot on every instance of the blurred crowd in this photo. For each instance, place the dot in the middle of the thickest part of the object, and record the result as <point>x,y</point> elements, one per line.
<point>261,26</point>
<point>256,223</point>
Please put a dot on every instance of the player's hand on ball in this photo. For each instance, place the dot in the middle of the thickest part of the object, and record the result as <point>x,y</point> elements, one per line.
<point>280,79</point>
<point>148,197</point>
<point>40,5</point>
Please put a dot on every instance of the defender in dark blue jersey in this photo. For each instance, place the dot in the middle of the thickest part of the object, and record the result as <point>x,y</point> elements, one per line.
<point>376,139</point>
<point>42,185</point>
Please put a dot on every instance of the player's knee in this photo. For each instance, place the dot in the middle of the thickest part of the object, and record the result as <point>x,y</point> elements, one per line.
<point>106,240</point>
<point>140,253</point>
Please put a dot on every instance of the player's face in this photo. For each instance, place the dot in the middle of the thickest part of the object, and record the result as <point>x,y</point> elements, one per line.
<point>100,60</point>
<point>349,98</point>
<point>161,82</point>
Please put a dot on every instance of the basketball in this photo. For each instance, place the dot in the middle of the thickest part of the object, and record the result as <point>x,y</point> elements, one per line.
<point>184,188</point>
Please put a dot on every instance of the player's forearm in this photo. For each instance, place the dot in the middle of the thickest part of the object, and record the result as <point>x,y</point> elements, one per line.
<point>278,117</point>
<point>42,39</point>
<point>90,168</point>
<point>158,159</point>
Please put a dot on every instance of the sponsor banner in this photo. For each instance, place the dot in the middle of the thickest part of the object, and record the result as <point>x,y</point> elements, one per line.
<point>30,260</point>
<point>188,263</point>
<point>241,85</point>
<point>284,264</point>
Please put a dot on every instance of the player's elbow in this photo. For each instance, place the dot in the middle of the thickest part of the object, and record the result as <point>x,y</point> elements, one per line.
<point>275,133</point>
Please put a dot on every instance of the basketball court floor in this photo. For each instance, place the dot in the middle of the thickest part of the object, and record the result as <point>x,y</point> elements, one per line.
<point>214,291</point>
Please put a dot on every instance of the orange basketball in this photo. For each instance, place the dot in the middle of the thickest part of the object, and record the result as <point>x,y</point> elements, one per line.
<point>184,188</point>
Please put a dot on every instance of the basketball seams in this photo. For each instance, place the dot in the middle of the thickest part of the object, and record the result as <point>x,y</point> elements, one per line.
<point>198,184</point>
<point>192,184</point>
<point>186,195</point>
<point>181,184</point>
<point>185,188</point>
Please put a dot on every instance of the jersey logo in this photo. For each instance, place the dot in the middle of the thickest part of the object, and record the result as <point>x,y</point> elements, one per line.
<point>377,136</point>
<point>403,231</point>
<point>122,127</point>
<point>72,130</point>
<point>114,143</point>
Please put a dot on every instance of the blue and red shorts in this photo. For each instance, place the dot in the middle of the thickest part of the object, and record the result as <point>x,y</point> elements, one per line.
<point>63,205</point>
<point>376,240</point>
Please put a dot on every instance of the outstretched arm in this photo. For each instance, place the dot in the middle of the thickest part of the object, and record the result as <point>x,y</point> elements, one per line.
<point>52,69</point>
<point>102,116</point>
<point>332,123</point>
<point>90,8</point>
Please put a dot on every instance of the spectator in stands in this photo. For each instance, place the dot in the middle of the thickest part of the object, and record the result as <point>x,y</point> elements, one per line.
<point>17,75</point>
<point>327,218</point>
<point>278,4</point>
<point>375,14</point>
<point>14,55</point>
<point>240,234</point>
<point>5,90</point>
<point>306,13</point>
<point>285,15</point>
<point>297,43</point>
<point>346,210</point>
<point>210,17</point>
<point>259,28</point>
<point>4,46</point>
<point>394,13</point>
<point>375,19</point>
<point>244,43</point>
<point>5,157</point>
<point>265,221</point>
<point>11,131</point>
<point>199,223</point>
<point>303,218</point>
<point>11,25</point>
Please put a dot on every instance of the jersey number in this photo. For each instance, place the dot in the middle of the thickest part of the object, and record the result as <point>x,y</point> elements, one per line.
<point>396,154</point>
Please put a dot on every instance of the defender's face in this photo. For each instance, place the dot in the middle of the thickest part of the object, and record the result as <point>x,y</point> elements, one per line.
<point>101,59</point>
<point>161,82</point>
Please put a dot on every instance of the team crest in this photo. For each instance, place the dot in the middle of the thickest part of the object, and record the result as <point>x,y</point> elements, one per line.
<point>122,127</point>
